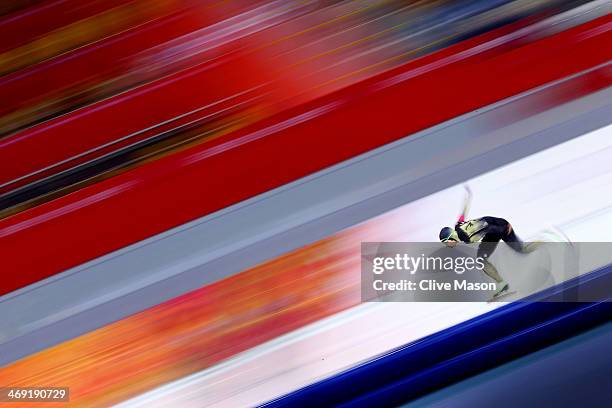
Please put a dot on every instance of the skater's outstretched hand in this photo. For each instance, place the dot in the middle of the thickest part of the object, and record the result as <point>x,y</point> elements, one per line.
<point>466,203</point>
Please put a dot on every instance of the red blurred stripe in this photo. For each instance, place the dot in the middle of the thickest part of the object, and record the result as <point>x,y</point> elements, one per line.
<point>107,56</point>
<point>104,59</point>
<point>125,115</point>
<point>121,116</point>
<point>171,191</point>
<point>141,108</point>
<point>26,25</point>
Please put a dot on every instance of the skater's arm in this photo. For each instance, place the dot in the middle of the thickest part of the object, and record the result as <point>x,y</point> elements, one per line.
<point>466,204</point>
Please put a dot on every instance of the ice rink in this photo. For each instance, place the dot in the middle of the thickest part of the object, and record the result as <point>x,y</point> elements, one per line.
<point>566,187</point>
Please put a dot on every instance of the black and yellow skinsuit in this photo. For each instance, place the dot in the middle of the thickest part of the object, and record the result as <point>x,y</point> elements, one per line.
<point>489,231</point>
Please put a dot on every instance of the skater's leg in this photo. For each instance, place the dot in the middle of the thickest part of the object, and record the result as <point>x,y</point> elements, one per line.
<point>531,246</point>
<point>502,286</point>
<point>485,250</point>
<point>491,271</point>
<point>517,244</point>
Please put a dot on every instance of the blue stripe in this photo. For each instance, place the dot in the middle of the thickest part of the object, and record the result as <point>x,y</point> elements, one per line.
<point>465,349</point>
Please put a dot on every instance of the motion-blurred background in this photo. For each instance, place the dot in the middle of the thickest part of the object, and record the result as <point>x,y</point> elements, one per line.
<point>185,184</point>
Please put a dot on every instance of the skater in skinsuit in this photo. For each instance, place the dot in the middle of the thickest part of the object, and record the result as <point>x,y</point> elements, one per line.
<point>489,231</point>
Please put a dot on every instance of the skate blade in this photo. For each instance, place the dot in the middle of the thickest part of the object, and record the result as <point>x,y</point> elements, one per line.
<point>501,297</point>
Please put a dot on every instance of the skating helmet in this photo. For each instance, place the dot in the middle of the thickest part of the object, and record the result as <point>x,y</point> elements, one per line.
<point>445,233</point>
